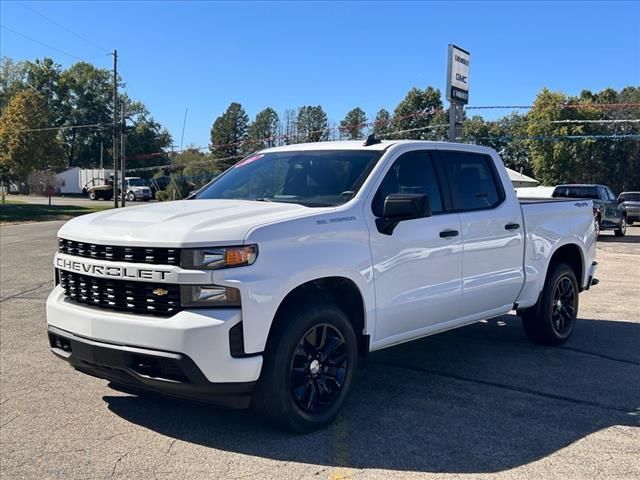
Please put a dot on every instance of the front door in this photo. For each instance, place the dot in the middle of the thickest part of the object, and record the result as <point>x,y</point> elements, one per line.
<point>417,268</point>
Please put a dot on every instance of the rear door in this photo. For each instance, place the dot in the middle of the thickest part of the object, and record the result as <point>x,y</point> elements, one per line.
<point>417,269</point>
<point>492,233</point>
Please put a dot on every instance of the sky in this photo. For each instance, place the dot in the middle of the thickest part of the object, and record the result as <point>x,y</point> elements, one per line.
<point>200,56</point>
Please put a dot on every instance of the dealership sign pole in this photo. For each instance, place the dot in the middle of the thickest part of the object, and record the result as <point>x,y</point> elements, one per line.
<point>457,87</point>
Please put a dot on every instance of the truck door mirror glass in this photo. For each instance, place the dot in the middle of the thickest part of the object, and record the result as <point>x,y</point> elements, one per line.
<point>399,207</point>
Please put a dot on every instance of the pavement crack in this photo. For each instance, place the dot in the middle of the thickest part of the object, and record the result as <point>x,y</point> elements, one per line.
<point>600,355</point>
<point>28,290</point>
<point>171,446</point>
<point>115,465</point>
<point>552,396</point>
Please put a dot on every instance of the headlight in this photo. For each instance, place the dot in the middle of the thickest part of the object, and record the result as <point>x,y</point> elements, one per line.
<point>209,296</point>
<point>215,258</point>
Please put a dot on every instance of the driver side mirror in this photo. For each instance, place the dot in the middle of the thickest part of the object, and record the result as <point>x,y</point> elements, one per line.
<point>399,207</point>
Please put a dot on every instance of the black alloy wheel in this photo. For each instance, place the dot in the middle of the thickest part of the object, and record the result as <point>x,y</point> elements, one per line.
<point>563,305</point>
<point>319,368</point>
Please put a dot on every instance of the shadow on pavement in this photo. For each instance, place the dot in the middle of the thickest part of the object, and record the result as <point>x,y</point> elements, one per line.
<point>478,399</point>
<point>632,236</point>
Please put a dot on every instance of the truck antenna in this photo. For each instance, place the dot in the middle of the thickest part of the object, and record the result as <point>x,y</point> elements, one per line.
<point>371,140</point>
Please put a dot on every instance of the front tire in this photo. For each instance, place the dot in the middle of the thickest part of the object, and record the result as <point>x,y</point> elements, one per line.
<point>131,197</point>
<point>93,196</point>
<point>552,319</point>
<point>308,368</point>
<point>620,232</point>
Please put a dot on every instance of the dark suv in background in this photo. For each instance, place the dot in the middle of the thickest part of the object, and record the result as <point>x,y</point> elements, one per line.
<point>608,214</point>
<point>630,203</point>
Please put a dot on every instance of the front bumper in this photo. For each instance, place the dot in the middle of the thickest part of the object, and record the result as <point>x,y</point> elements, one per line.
<point>135,369</point>
<point>142,195</point>
<point>202,335</point>
<point>632,212</point>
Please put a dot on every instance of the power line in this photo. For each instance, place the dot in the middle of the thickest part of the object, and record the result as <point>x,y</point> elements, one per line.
<point>64,127</point>
<point>562,105</point>
<point>42,43</point>
<point>62,27</point>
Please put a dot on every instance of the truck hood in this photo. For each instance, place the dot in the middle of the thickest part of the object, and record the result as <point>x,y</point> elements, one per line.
<point>179,224</point>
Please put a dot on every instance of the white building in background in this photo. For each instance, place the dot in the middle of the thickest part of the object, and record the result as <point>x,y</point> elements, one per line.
<point>520,180</point>
<point>74,180</point>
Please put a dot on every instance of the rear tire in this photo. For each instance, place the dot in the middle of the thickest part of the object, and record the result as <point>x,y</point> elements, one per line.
<point>552,319</point>
<point>308,368</point>
<point>620,232</point>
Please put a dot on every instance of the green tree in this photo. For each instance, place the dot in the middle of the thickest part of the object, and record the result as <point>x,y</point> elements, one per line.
<point>88,100</point>
<point>13,78</point>
<point>353,124</point>
<point>228,135</point>
<point>145,138</point>
<point>382,123</point>
<point>21,149</point>
<point>312,124</point>
<point>506,136</point>
<point>416,112</point>
<point>263,132</point>
<point>554,157</point>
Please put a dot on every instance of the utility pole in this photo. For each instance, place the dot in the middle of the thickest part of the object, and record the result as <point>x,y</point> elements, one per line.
<point>115,126</point>
<point>101,151</point>
<point>122,159</point>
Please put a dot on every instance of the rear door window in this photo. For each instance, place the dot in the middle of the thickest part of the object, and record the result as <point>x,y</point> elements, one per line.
<point>473,181</point>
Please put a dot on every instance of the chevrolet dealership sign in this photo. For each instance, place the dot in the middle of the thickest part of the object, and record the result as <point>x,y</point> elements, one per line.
<point>458,75</point>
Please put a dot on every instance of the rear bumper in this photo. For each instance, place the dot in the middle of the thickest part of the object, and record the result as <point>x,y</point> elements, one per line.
<point>591,279</point>
<point>168,373</point>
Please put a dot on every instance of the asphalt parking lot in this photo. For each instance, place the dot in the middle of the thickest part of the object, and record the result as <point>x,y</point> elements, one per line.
<point>478,402</point>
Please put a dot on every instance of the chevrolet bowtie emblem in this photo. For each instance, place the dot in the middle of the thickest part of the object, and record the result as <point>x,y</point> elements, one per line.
<point>160,292</point>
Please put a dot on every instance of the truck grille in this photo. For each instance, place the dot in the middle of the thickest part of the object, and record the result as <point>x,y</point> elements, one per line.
<point>157,256</point>
<point>144,298</point>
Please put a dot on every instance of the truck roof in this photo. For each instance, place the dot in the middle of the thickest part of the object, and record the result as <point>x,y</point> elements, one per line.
<point>359,145</point>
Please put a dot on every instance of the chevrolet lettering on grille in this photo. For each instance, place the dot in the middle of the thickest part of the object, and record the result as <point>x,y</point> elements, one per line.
<point>111,271</point>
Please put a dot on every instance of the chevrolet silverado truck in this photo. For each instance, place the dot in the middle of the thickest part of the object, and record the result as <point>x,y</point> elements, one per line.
<point>268,287</point>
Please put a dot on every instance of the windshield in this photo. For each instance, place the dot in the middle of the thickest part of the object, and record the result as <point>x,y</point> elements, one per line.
<point>135,182</point>
<point>318,178</point>
<point>629,197</point>
<point>576,192</point>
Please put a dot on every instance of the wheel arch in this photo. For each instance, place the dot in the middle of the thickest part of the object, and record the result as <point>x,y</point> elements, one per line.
<point>342,291</point>
<point>572,255</point>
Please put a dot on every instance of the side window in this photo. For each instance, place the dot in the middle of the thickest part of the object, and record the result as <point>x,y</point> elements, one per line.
<point>412,172</point>
<point>602,193</point>
<point>473,181</point>
<point>612,197</point>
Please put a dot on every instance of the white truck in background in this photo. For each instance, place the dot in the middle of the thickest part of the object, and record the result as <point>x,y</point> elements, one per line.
<point>267,288</point>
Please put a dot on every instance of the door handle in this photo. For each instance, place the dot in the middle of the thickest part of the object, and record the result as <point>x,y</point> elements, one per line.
<point>512,226</point>
<point>449,233</point>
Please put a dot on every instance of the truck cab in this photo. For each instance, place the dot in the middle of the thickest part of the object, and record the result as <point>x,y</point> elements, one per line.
<point>136,189</point>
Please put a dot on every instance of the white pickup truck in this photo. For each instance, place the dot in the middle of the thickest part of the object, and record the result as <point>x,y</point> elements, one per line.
<point>268,286</point>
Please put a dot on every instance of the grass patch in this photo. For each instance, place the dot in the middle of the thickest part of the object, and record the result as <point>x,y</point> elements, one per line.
<point>13,211</point>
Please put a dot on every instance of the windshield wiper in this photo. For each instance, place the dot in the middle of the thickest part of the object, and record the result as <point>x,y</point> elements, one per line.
<point>264,199</point>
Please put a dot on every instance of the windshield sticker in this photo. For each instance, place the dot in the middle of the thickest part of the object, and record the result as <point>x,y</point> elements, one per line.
<point>249,160</point>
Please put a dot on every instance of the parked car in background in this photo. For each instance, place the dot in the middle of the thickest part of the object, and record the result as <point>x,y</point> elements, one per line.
<point>608,214</point>
<point>630,204</point>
